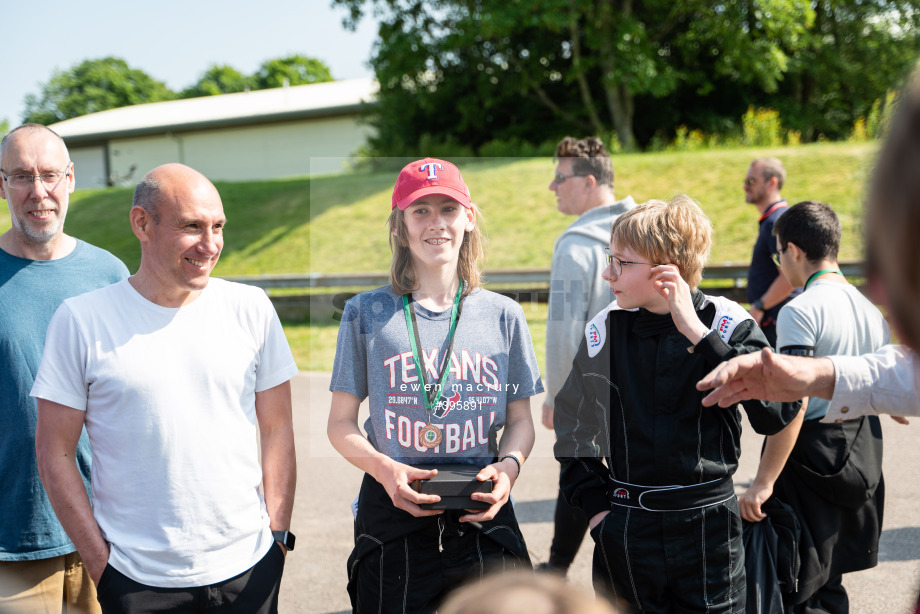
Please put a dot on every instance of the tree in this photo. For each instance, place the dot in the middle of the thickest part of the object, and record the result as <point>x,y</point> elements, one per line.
<point>219,79</point>
<point>295,69</point>
<point>93,85</point>
<point>856,51</point>
<point>4,126</point>
<point>584,61</point>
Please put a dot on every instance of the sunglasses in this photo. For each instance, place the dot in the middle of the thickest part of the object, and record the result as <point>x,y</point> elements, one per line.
<point>559,178</point>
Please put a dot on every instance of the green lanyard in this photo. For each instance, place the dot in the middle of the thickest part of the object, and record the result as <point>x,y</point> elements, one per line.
<point>818,274</point>
<point>432,394</point>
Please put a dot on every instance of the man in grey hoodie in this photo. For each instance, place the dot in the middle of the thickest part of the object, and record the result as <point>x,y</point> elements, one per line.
<point>583,185</point>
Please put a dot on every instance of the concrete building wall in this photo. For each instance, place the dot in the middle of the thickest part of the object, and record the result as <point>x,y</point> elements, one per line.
<point>131,159</point>
<point>89,166</point>
<point>248,153</point>
<point>274,151</point>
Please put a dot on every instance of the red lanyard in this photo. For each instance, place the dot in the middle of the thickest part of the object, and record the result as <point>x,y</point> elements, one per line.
<point>777,205</point>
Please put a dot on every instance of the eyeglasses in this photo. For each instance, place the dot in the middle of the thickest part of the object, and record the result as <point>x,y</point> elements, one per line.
<point>618,264</point>
<point>50,179</point>
<point>779,253</point>
<point>749,181</point>
<point>560,178</point>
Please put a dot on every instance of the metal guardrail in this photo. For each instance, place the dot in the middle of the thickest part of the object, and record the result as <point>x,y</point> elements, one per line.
<point>308,297</point>
<point>498,277</point>
<point>736,272</point>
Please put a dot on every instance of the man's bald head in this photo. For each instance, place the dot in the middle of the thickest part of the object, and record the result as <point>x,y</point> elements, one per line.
<point>25,131</point>
<point>166,182</point>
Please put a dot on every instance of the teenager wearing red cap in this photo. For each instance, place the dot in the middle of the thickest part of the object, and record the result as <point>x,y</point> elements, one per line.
<point>448,369</point>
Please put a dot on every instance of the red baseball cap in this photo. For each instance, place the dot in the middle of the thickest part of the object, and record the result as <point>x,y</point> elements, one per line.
<point>429,176</point>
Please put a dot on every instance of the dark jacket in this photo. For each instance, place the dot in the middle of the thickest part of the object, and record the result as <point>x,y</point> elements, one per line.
<point>763,271</point>
<point>631,402</point>
<point>833,480</point>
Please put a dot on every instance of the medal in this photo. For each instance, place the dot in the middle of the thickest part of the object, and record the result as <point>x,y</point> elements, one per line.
<point>430,436</point>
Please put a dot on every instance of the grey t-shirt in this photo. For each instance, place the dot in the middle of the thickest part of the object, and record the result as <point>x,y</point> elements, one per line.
<point>829,319</point>
<point>492,362</point>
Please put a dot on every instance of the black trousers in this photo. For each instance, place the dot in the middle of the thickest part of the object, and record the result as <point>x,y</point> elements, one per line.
<point>414,573</point>
<point>254,591</point>
<point>569,528</point>
<point>672,562</point>
<point>831,598</point>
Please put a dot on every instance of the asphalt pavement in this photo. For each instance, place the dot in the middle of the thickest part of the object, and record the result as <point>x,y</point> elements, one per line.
<point>315,576</point>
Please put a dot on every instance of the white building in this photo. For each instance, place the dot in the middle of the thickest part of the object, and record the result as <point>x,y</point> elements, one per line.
<point>266,134</point>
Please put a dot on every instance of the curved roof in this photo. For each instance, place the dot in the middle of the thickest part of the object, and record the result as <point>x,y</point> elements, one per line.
<point>260,106</point>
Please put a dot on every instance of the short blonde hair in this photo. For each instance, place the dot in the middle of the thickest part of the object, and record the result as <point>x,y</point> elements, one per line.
<point>402,273</point>
<point>676,232</point>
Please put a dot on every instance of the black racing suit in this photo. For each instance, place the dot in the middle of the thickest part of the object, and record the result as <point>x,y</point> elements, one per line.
<point>403,563</point>
<point>629,417</point>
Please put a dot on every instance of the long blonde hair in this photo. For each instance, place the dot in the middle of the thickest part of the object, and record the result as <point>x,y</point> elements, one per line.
<point>402,273</point>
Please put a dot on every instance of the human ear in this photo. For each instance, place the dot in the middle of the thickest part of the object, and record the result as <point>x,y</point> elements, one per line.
<point>140,220</point>
<point>71,179</point>
<point>470,220</point>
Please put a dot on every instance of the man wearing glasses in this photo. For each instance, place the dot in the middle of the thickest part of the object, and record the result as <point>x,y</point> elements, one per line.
<point>583,185</point>
<point>833,475</point>
<point>40,266</point>
<point>767,290</point>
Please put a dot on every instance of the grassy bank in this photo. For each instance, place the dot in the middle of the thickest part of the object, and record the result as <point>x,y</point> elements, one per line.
<point>347,230</point>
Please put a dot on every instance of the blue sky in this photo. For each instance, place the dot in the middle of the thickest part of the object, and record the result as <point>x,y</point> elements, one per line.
<point>174,41</point>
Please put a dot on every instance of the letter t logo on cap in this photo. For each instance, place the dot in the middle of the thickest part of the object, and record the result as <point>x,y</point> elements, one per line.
<point>433,168</point>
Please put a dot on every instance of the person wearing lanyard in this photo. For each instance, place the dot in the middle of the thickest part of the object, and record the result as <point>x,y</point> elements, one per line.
<point>584,188</point>
<point>830,474</point>
<point>767,290</point>
<point>446,366</point>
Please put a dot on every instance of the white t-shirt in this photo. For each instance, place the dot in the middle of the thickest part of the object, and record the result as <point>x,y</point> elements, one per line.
<point>169,395</point>
<point>830,318</point>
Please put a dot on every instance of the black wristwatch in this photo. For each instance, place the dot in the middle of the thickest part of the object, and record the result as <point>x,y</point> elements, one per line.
<point>758,304</point>
<point>285,537</point>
